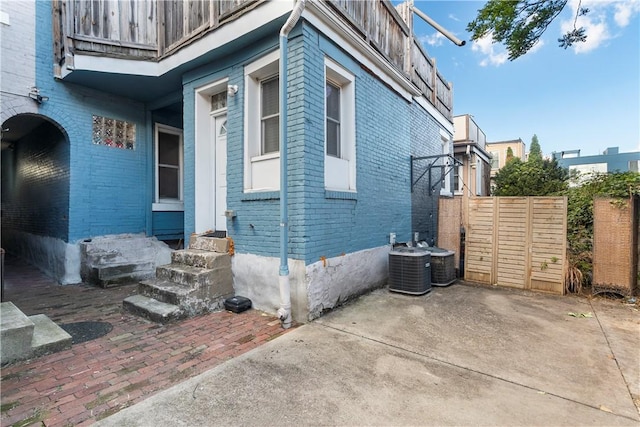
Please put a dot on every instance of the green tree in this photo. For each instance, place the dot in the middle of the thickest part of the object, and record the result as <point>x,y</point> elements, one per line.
<point>510,155</point>
<point>535,152</point>
<point>520,23</point>
<point>535,177</point>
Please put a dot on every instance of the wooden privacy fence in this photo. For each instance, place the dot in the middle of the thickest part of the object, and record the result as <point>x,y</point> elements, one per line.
<point>517,242</point>
<point>616,245</point>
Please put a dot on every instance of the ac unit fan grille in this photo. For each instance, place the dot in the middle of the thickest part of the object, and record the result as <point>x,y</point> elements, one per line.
<point>409,273</point>
<point>443,269</point>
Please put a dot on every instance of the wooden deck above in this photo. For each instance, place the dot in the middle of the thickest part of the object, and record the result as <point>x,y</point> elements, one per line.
<point>151,30</point>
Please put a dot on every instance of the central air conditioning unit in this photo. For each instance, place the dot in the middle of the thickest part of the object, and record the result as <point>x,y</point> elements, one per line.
<point>443,267</point>
<point>410,271</point>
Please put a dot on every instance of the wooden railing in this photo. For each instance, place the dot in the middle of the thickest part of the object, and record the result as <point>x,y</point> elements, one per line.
<point>389,31</point>
<point>152,29</point>
<point>139,29</point>
<point>380,25</point>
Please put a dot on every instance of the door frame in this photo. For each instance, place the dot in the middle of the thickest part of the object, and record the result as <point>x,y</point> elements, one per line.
<point>214,116</point>
<point>204,161</point>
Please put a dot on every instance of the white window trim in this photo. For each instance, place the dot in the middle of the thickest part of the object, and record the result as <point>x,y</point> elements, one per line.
<point>460,169</point>
<point>497,158</point>
<point>446,149</point>
<point>263,169</point>
<point>339,76</point>
<point>168,204</point>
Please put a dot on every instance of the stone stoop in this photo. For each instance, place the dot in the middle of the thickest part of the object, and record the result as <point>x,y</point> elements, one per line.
<point>197,281</point>
<point>25,337</point>
<point>109,261</point>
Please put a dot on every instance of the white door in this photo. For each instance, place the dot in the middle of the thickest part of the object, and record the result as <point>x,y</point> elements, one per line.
<point>219,126</point>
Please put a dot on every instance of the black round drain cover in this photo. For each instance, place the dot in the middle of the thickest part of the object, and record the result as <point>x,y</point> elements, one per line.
<point>86,331</point>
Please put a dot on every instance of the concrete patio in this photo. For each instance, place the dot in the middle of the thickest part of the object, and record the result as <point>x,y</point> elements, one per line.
<point>461,355</point>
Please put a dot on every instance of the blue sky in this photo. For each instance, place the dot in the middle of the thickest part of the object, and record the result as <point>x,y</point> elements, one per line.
<point>586,97</point>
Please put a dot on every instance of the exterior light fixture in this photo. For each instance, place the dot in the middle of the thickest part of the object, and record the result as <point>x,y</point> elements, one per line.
<point>232,90</point>
<point>34,94</point>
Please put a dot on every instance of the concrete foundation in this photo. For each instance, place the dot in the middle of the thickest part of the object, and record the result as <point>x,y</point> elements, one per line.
<point>54,257</point>
<point>334,281</point>
<point>315,288</point>
<point>256,277</point>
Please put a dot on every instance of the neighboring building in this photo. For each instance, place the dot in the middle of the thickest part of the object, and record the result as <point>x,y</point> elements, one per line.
<point>163,119</point>
<point>471,178</point>
<point>611,160</point>
<point>498,151</point>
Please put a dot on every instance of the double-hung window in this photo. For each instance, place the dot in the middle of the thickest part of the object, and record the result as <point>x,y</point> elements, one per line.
<point>262,124</point>
<point>269,116</point>
<point>332,99</point>
<point>169,168</point>
<point>339,128</point>
<point>457,176</point>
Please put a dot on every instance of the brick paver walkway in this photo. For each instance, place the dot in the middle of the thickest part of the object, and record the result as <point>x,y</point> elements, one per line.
<point>135,360</point>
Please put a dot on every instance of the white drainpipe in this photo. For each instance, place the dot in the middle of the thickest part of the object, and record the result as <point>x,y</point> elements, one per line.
<point>284,312</point>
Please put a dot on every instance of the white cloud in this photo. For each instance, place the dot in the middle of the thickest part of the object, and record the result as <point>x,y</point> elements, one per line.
<point>536,47</point>
<point>625,11</point>
<point>454,17</point>
<point>494,54</point>
<point>434,39</point>
<point>598,23</point>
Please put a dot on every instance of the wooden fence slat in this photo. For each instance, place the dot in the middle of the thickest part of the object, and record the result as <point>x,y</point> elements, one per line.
<point>517,242</point>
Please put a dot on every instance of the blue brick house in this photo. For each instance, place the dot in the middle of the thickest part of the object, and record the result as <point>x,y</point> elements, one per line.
<point>163,119</point>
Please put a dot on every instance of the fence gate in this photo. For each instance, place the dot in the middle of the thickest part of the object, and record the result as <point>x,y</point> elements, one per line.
<point>517,242</point>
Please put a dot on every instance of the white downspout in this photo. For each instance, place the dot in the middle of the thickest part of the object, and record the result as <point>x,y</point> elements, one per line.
<point>284,312</point>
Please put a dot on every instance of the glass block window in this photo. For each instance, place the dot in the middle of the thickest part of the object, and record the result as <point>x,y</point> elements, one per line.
<point>114,133</point>
<point>219,101</point>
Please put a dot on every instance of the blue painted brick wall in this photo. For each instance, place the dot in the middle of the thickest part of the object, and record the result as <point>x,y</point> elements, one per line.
<point>321,223</point>
<point>256,229</point>
<point>425,141</point>
<point>35,184</point>
<point>382,204</point>
<point>108,186</point>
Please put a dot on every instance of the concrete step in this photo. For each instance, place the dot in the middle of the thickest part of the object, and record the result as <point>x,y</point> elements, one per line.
<point>196,277</point>
<point>25,337</point>
<point>193,301</point>
<point>165,291</point>
<point>113,275</point>
<point>212,244</point>
<point>201,258</point>
<point>47,336</point>
<point>152,309</point>
<point>114,259</point>
<point>16,333</point>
